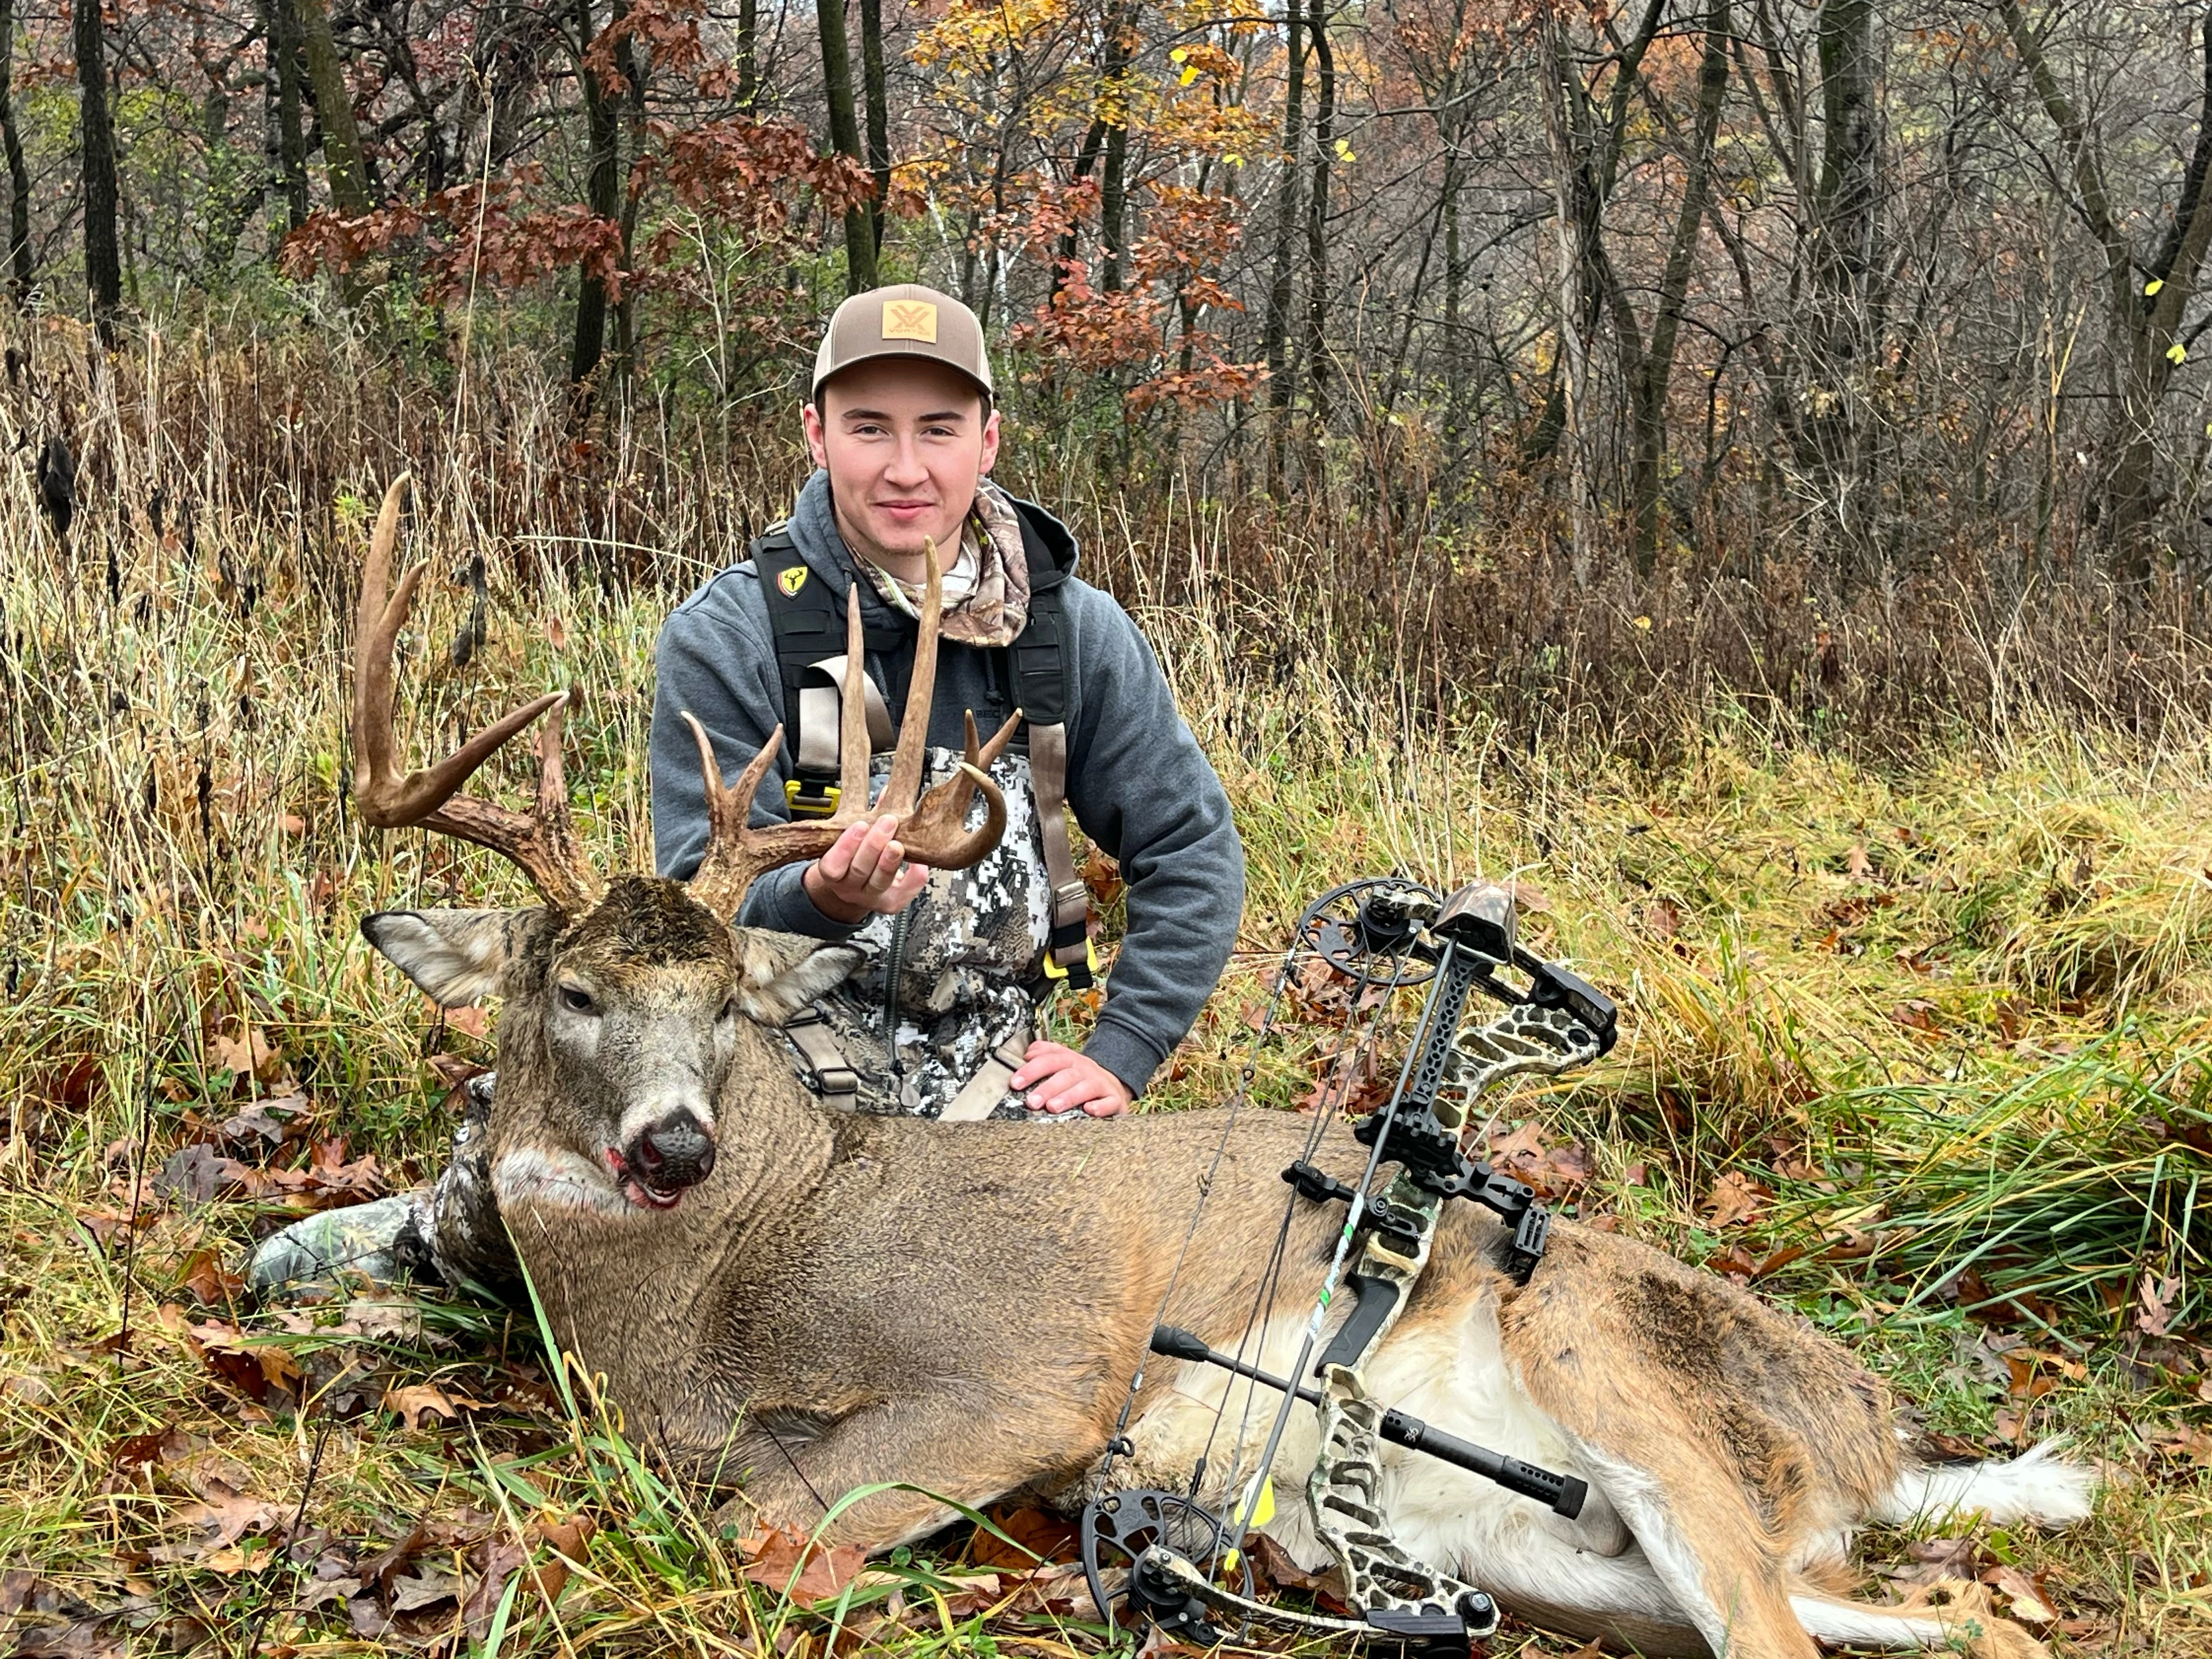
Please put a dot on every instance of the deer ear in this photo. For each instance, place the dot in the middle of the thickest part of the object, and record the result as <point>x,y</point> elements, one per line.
<point>779,974</point>
<point>456,956</point>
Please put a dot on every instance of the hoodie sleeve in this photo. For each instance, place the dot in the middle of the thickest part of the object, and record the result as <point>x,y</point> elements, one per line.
<point>716,660</point>
<point>1145,791</point>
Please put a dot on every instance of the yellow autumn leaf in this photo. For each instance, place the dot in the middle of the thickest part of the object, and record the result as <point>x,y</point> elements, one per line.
<point>2153,285</point>
<point>1643,623</point>
<point>1188,75</point>
<point>1178,54</point>
<point>2176,352</point>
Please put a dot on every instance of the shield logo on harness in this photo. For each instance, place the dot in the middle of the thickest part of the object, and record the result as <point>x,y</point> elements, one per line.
<point>792,580</point>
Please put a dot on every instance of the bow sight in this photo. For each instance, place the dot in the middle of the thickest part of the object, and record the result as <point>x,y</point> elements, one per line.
<point>1173,1552</point>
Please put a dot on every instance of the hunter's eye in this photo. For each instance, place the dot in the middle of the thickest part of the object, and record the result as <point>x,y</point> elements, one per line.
<point>577,1000</point>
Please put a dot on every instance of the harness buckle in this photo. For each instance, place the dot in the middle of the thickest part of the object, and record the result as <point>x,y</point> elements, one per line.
<point>1080,975</point>
<point>818,805</point>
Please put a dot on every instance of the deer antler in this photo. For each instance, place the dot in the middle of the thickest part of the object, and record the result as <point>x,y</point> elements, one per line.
<point>931,825</point>
<point>543,842</point>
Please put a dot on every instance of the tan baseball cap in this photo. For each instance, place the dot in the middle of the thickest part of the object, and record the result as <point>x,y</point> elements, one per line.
<point>904,321</point>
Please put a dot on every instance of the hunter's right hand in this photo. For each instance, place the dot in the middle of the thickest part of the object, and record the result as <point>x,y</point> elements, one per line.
<point>864,874</point>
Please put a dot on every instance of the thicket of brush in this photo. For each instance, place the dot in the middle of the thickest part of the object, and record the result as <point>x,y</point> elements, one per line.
<point>1909,907</point>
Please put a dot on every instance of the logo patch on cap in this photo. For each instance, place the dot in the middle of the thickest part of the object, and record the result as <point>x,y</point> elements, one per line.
<point>910,319</point>
<point>792,580</point>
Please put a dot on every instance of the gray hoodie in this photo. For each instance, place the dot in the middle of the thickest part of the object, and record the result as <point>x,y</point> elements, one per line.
<point>1136,778</point>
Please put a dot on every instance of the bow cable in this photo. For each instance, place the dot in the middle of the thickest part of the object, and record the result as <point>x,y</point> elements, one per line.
<point>1118,1444</point>
<point>1263,1301</point>
<point>1422,1034</point>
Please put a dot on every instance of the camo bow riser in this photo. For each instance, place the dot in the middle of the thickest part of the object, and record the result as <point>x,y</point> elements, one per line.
<point>1558,1024</point>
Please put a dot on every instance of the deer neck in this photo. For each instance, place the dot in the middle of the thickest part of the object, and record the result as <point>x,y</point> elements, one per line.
<point>626,1286</point>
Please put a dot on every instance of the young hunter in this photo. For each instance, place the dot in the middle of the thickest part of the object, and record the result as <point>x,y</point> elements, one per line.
<point>940,1017</point>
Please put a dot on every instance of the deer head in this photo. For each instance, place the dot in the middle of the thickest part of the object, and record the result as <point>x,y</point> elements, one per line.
<point>624,999</point>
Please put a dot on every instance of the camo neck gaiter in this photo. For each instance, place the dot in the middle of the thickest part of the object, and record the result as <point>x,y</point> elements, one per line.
<point>986,588</point>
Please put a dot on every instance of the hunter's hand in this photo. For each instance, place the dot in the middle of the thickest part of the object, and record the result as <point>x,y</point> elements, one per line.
<point>1059,1079</point>
<point>864,874</point>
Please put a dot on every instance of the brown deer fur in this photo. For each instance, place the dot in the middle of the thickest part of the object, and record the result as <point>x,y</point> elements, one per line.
<point>847,1300</point>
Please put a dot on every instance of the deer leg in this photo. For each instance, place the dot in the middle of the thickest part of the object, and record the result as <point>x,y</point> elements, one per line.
<point>459,1218</point>
<point>1710,1549</point>
<point>952,1449</point>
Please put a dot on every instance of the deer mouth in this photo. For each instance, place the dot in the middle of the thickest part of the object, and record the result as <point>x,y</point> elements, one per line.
<point>633,1186</point>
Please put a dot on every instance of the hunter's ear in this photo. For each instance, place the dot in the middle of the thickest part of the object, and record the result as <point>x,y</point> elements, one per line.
<point>779,974</point>
<point>456,956</point>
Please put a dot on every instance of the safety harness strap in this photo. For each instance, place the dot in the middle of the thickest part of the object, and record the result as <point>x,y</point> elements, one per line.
<point>807,624</point>
<point>818,1046</point>
<point>818,706</point>
<point>982,1094</point>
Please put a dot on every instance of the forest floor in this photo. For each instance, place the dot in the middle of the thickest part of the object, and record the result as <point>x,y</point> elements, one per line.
<point>1919,1050</point>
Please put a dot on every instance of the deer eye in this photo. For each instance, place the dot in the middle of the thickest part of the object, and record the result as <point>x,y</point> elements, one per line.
<point>729,1011</point>
<point>577,1000</point>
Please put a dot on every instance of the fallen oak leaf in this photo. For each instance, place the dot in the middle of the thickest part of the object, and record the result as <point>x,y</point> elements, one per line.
<point>1937,1561</point>
<point>416,1404</point>
<point>501,1557</point>
<point>1735,1197</point>
<point>2029,1604</point>
<point>378,1572</point>
<point>165,1444</point>
<point>795,1566</point>
<point>220,1520</point>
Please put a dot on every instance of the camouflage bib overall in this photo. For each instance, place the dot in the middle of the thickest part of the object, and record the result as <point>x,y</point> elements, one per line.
<point>967,952</point>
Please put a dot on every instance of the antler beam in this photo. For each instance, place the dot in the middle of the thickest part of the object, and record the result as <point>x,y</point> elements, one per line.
<point>543,842</point>
<point>933,825</point>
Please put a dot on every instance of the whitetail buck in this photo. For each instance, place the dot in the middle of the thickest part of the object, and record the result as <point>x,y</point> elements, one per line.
<point>803,1301</point>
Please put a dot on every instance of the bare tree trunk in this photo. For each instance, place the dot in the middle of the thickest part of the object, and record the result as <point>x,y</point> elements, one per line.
<point>1844,337</point>
<point>1316,357</point>
<point>845,138</point>
<point>342,152</point>
<point>19,174</point>
<point>879,141</point>
<point>1094,143</point>
<point>1276,331</point>
<point>748,53</point>
<point>2146,308</point>
<point>1114,183</point>
<point>291,135</point>
<point>103,259</point>
<point>602,192</point>
<point>1454,299</point>
<point>1567,175</point>
<point>1650,379</point>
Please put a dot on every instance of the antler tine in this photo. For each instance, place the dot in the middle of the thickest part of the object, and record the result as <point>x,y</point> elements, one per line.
<point>903,787</point>
<point>736,853</point>
<point>853,722</point>
<point>936,833</point>
<point>932,829</point>
<point>542,843</point>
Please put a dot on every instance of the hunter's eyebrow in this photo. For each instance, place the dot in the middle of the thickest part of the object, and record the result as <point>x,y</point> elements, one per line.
<point>878,415</point>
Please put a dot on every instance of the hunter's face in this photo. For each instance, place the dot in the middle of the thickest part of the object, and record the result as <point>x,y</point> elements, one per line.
<point>905,444</point>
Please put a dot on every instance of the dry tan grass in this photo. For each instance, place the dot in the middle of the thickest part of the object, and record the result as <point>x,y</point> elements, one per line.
<point>1908,1010</point>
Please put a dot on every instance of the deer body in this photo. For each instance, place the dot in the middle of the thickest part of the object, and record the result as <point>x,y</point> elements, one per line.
<point>802,1303</point>
<point>847,1300</point>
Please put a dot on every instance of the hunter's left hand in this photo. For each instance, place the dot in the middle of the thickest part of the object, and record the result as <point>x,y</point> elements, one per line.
<point>1058,1079</point>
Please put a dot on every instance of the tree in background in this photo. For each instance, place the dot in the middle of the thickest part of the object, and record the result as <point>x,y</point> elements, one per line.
<point>1708,292</point>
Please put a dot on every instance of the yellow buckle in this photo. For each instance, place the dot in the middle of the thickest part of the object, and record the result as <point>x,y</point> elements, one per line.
<point>820,806</point>
<point>1053,970</point>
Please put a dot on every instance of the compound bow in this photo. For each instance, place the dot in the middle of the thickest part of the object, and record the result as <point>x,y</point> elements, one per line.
<point>1383,933</point>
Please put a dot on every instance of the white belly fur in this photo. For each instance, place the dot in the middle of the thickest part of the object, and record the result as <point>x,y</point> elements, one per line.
<point>1455,1379</point>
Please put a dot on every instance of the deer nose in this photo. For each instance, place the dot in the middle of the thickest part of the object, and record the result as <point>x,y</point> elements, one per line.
<point>674,1153</point>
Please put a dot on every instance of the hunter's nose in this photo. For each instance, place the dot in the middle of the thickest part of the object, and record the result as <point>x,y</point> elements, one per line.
<point>674,1153</point>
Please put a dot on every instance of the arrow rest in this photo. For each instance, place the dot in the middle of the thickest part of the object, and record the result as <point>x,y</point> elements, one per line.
<point>1168,1550</point>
